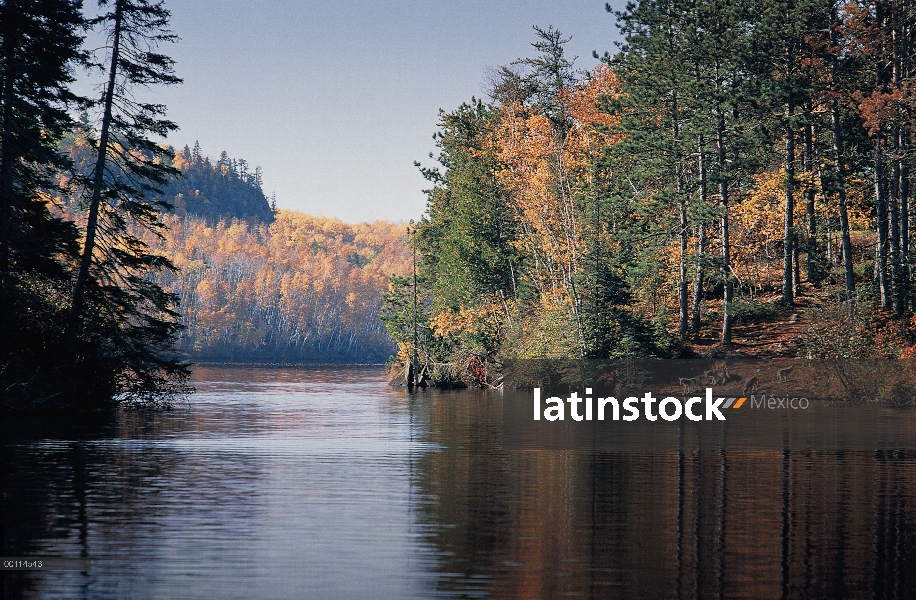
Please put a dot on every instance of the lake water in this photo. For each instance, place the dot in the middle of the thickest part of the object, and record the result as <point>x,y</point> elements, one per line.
<point>329,484</point>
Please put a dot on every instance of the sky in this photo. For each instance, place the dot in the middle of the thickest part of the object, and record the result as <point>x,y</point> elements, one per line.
<point>336,100</point>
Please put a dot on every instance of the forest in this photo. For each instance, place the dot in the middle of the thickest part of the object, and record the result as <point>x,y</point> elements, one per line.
<point>303,289</point>
<point>734,180</point>
<point>220,190</point>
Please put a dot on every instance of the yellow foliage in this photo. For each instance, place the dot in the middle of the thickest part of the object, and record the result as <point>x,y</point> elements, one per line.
<point>292,283</point>
<point>448,322</point>
<point>546,170</point>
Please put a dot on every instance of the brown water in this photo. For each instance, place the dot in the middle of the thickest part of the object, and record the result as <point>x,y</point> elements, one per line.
<point>328,484</point>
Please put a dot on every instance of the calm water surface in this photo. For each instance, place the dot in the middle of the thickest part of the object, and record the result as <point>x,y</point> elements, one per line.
<point>329,484</point>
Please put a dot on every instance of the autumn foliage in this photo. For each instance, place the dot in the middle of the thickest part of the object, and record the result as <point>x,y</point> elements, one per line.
<point>302,289</point>
<point>732,162</point>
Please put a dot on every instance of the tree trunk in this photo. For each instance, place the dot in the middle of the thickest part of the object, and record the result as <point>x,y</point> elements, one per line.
<point>905,72</point>
<point>881,206</point>
<point>904,202</point>
<point>808,166</point>
<point>788,293</point>
<point>98,180</point>
<point>897,281</point>
<point>905,222</point>
<point>726,247</point>
<point>682,210</point>
<point>701,245</point>
<point>838,151</point>
<point>841,194</point>
<point>682,283</point>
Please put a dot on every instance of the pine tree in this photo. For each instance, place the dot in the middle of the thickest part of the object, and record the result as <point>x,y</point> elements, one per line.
<point>546,75</point>
<point>465,240</point>
<point>465,244</point>
<point>720,44</point>
<point>882,32</point>
<point>685,68</point>
<point>835,62</point>
<point>115,306</point>
<point>781,62</point>
<point>533,136</point>
<point>656,111</point>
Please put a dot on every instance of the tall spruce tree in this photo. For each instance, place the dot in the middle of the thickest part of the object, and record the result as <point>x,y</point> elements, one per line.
<point>115,304</point>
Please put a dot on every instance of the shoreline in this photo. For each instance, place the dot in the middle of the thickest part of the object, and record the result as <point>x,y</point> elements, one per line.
<point>283,365</point>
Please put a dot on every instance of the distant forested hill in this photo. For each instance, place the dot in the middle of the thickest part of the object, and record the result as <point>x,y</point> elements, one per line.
<point>216,191</point>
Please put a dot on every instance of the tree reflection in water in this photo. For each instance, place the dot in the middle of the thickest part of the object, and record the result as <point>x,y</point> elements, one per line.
<point>696,521</point>
<point>294,483</point>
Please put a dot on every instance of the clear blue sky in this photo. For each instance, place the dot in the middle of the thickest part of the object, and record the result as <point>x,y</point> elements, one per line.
<point>335,100</point>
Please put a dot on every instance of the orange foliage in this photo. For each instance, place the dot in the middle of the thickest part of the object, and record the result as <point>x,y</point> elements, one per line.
<point>302,289</point>
<point>757,227</point>
<point>546,170</point>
